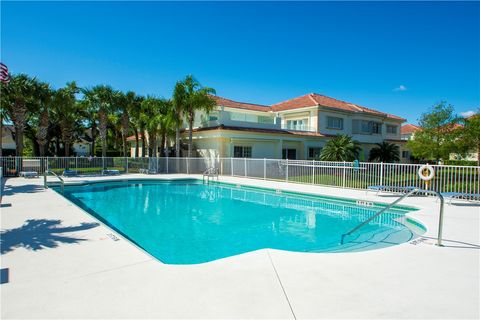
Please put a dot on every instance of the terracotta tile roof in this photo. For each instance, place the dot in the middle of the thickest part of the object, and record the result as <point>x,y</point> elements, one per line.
<point>240,105</point>
<point>409,128</point>
<point>314,99</point>
<point>295,103</point>
<point>132,138</point>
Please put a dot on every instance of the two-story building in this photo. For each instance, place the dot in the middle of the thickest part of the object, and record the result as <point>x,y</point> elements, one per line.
<point>295,129</point>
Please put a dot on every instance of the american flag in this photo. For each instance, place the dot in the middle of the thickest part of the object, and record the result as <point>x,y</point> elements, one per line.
<point>4,76</point>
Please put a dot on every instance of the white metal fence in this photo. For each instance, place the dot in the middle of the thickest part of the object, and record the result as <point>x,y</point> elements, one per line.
<point>461,179</point>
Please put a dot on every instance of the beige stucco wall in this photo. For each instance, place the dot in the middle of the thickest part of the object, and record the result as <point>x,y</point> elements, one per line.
<point>348,122</point>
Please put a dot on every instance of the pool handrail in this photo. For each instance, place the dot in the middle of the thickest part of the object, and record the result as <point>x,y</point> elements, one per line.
<point>210,172</point>
<point>378,213</point>
<point>62,182</point>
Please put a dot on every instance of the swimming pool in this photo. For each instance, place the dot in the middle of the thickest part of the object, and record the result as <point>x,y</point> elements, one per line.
<point>189,222</point>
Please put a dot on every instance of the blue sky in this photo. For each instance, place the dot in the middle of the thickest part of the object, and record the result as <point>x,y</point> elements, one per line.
<point>398,57</point>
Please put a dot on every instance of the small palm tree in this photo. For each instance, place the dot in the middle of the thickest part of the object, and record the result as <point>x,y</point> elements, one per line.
<point>340,148</point>
<point>124,104</point>
<point>385,152</point>
<point>102,97</point>
<point>89,107</point>
<point>45,96</point>
<point>151,122</point>
<point>67,107</point>
<point>189,96</point>
<point>19,100</point>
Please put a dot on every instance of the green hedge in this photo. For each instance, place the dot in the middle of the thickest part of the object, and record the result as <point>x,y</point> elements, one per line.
<point>460,163</point>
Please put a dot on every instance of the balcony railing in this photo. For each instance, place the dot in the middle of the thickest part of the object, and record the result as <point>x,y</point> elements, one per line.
<point>298,127</point>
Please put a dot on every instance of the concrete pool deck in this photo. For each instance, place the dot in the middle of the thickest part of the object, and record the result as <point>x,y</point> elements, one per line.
<point>63,264</point>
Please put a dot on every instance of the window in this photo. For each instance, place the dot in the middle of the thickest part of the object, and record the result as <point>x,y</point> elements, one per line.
<point>289,154</point>
<point>314,153</point>
<point>242,152</point>
<point>299,124</point>
<point>237,116</point>
<point>213,116</point>
<point>265,119</point>
<point>377,127</point>
<point>366,127</point>
<point>391,129</point>
<point>335,123</point>
<point>405,154</point>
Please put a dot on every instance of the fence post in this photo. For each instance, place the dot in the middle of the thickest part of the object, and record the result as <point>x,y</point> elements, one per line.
<point>188,165</point>
<point>245,166</point>
<point>344,173</point>
<point>313,171</point>
<point>103,163</point>
<point>76,163</point>
<point>126,164</point>
<point>286,171</point>
<point>264,169</point>
<point>167,162</point>
<point>381,173</point>
<point>231,166</point>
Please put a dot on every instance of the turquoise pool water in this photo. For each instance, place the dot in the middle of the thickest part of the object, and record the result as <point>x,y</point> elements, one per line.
<point>188,222</point>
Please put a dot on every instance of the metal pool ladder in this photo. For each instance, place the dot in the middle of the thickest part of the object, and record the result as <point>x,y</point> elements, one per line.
<point>210,172</point>
<point>62,182</point>
<point>378,213</point>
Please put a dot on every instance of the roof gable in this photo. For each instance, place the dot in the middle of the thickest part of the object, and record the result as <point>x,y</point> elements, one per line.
<point>409,128</point>
<point>315,99</point>
<point>240,105</point>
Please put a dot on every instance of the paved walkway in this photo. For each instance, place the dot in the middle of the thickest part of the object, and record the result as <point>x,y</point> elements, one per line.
<point>63,264</point>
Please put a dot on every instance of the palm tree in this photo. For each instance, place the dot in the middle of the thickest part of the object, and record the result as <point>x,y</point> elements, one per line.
<point>340,148</point>
<point>151,122</point>
<point>167,121</point>
<point>126,105</point>
<point>90,107</point>
<point>3,112</point>
<point>385,152</point>
<point>135,115</point>
<point>67,107</point>
<point>189,96</point>
<point>179,97</point>
<point>103,98</point>
<point>45,95</point>
<point>19,100</point>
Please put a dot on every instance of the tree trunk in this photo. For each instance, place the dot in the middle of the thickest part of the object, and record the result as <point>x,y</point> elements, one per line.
<point>478,155</point>
<point>143,142</point>
<point>137,148</point>
<point>19,141</point>
<point>19,118</point>
<point>152,142</point>
<point>162,145</point>
<point>42,132</point>
<point>57,146</point>
<point>190,134</point>
<point>102,114</point>
<point>125,127</point>
<point>1,138</point>
<point>94,136</point>
<point>177,142</point>
<point>67,148</point>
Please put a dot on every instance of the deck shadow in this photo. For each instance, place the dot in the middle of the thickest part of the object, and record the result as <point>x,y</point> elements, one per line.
<point>38,234</point>
<point>8,190</point>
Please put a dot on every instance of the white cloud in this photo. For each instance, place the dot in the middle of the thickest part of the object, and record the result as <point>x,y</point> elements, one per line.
<point>467,114</point>
<point>400,88</point>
